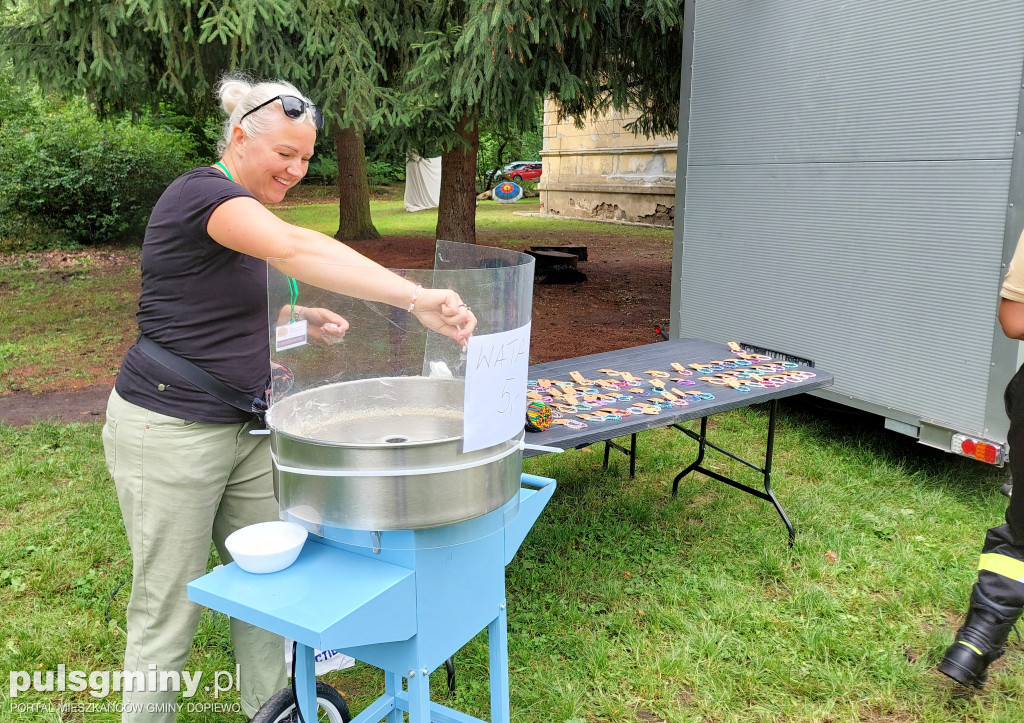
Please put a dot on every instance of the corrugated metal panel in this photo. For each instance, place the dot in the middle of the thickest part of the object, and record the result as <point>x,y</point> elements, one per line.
<point>863,80</point>
<point>825,262</point>
<point>847,175</point>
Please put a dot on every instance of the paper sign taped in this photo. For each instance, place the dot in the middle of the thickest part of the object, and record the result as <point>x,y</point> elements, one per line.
<point>495,402</point>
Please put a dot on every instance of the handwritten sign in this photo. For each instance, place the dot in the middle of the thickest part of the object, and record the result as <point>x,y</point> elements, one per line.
<point>496,370</point>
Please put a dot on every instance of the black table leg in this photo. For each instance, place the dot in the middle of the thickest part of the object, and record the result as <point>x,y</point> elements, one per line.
<point>631,453</point>
<point>766,470</point>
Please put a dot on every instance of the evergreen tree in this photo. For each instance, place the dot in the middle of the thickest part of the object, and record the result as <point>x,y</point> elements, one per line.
<point>126,55</point>
<point>498,60</point>
<point>425,72</point>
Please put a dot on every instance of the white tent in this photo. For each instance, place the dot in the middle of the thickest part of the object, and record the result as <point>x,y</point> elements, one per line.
<point>422,183</point>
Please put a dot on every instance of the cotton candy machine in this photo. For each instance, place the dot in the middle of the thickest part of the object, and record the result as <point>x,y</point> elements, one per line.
<point>400,452</point>
<point>376,431</point>
<point>349,457</point>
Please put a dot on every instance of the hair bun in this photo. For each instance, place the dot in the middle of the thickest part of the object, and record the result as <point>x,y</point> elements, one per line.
<point>231,91</point>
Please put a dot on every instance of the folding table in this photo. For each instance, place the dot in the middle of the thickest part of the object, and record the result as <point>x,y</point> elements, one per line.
<point>660,356</point>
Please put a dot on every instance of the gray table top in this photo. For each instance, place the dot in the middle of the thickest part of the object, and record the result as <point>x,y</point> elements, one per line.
<point>659,356</point>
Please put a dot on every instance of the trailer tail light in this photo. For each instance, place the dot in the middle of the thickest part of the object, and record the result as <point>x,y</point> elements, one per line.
<point>979,449</point>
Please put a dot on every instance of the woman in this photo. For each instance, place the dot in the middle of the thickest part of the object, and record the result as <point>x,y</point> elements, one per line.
<point>185,467</point>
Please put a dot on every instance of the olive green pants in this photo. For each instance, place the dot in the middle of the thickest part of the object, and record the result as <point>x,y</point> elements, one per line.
<point>182,484</point>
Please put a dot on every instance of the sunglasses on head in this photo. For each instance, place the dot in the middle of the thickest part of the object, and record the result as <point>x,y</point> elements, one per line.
<point>293,108</point>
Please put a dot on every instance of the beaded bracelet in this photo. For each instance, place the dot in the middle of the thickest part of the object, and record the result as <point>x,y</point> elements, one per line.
<point>415,295</point>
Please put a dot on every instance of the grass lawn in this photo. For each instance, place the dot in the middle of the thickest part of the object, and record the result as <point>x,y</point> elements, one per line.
<point>391,219</point>
<point>625,604</point>
<point>66,323</point>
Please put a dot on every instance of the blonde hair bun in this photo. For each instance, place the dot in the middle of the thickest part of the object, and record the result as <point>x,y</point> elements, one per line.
<point>231,91</point>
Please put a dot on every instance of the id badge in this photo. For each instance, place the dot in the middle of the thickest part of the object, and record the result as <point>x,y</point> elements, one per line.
<point>291,335</point>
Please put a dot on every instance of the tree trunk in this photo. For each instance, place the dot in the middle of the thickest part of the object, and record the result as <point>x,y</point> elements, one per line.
<point>456,212</point>
<point>354,222</point>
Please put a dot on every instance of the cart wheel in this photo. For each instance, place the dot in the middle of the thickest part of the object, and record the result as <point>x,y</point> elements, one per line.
<point>280,708</point>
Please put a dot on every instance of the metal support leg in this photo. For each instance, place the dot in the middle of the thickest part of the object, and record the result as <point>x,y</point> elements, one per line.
<point>702,441</point>
<point>419,697</point>
<point>766,470</point>
<point>392,687</point>
<point>631,453</point>
<point>305,681</point>
<point>497,645</point>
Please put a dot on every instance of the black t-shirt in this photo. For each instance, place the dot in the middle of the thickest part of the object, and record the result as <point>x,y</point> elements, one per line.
<point>201,301</point>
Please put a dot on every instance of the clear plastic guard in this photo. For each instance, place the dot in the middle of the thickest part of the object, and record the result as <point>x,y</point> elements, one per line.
<point>387,341</point>
<point>369,427</point>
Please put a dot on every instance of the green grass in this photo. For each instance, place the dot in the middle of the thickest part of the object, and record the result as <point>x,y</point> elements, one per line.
<point>67,323</point>
<point>625,604</point>
<point>391,219</point>
<point>70,324</point>
<point>86,312</point>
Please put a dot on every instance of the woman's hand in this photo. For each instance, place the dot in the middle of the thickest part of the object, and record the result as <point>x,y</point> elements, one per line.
<point>323,325</point>
<point>444,311</point>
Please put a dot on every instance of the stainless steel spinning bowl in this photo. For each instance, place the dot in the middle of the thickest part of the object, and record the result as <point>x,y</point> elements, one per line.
<point>377,454</point>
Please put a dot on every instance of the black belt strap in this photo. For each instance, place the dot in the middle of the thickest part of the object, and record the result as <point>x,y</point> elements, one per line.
<point>209,384</point>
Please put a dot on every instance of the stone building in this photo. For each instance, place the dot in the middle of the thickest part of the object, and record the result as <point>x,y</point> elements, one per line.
<point>602,171</point>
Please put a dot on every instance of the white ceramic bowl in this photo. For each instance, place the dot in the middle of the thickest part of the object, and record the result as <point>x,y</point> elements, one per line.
<point>266,546</point>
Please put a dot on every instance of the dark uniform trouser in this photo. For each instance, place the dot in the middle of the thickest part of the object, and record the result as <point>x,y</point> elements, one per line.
<point>1001,568</point>
<point>998,596</point>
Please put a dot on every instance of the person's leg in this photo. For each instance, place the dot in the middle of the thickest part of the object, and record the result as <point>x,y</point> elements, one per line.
<point>995,605</point>
<point>997,598</point>
<point>248,499</point>
<point>170,475</point>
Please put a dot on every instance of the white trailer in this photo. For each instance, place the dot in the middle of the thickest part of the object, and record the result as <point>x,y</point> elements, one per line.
<point>850,191</point>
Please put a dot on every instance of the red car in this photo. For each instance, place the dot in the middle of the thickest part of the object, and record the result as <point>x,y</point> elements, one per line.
<point>530,172</point>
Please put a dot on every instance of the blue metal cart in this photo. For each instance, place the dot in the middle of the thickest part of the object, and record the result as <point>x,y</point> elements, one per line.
<point>403,603</point>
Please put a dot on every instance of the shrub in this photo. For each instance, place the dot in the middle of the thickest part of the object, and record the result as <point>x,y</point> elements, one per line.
<point>70,178</point>
<point>323,169</point>
<point>382,172</point>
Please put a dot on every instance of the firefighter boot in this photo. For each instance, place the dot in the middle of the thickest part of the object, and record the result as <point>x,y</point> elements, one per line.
<point>980,641</point>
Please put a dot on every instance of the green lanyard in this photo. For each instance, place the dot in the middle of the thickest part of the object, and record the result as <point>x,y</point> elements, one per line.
<point>293,285</point>
<point>293,290</point>
<point>225,169</point>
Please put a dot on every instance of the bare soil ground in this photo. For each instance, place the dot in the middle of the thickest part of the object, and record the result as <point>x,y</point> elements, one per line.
<point>626,293</point>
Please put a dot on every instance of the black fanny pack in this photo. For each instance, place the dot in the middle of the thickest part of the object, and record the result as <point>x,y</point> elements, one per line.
<point>209,384</point>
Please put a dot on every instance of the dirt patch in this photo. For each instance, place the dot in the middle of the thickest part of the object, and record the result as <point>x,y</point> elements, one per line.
<point>76,405</point>
<point>877,715</point>
<point>69,262</point>
<point>625,295</point>
<point>310,193</point>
